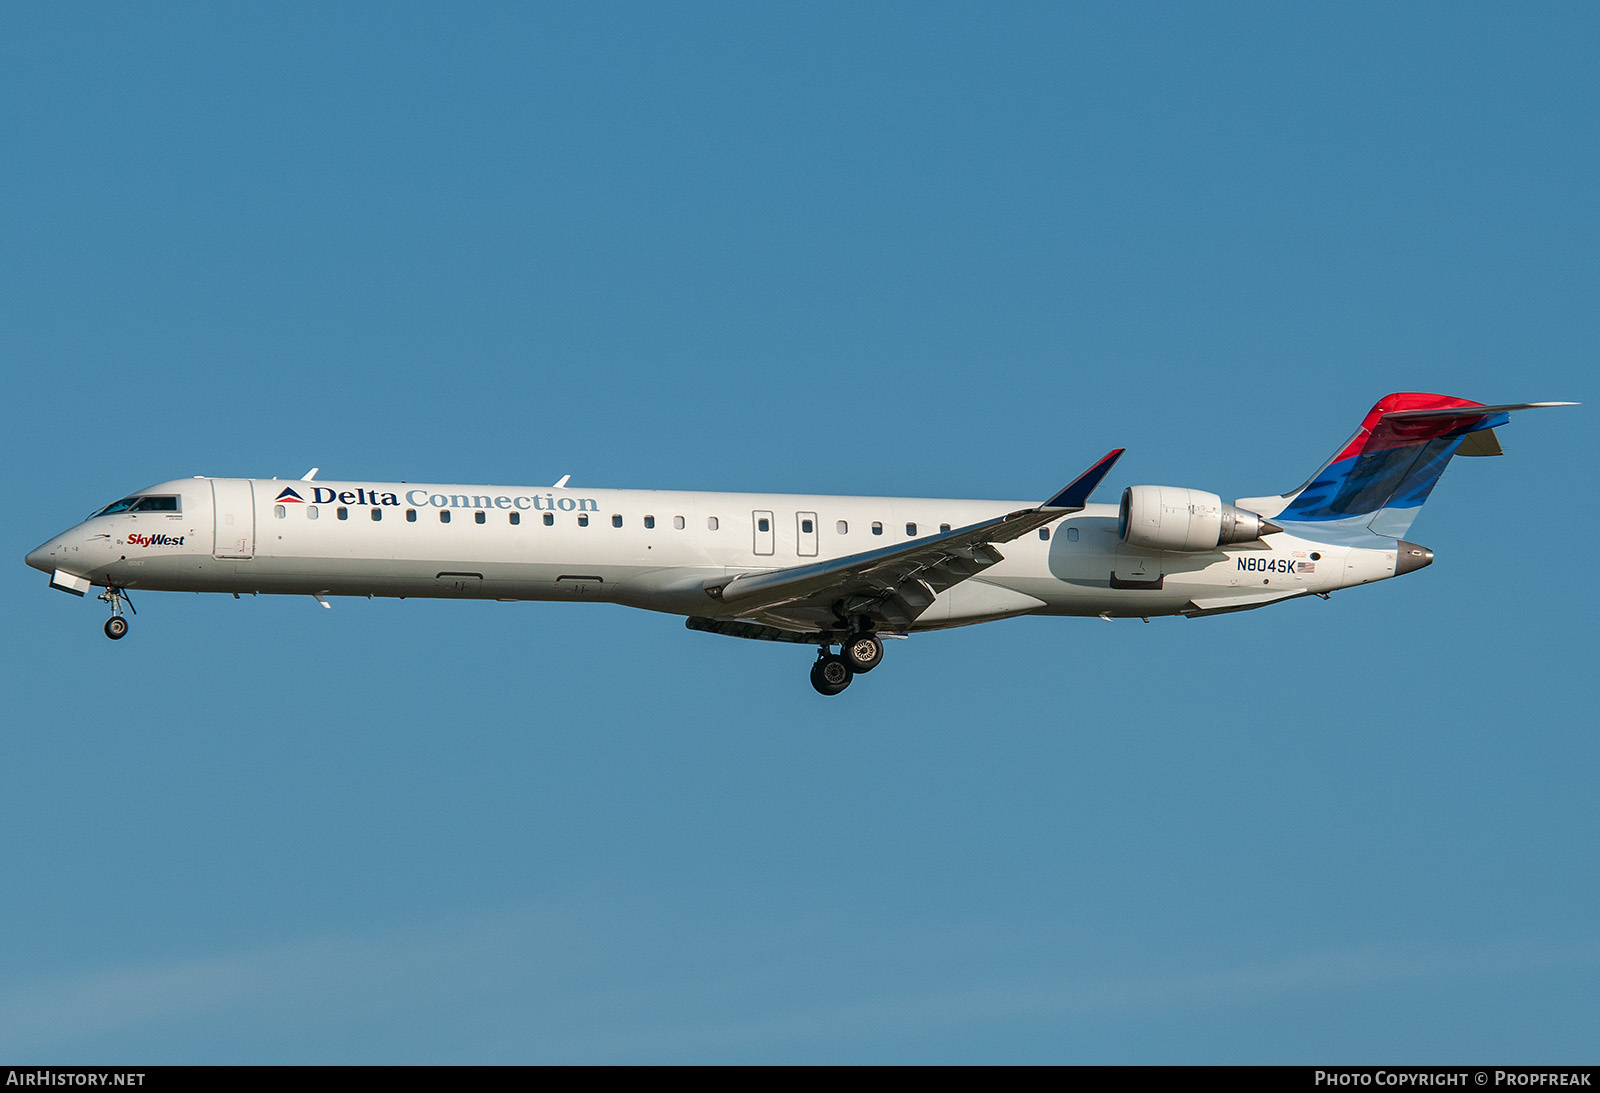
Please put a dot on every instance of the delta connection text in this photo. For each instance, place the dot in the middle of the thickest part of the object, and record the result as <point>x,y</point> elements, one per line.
<point>1454,1077</point>
<point>548,502</point>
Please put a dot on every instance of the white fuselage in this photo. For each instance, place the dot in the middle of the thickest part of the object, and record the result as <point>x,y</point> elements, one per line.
<point>652,549</point>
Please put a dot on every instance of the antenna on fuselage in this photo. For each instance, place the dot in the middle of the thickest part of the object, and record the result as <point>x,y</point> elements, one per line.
<point>561,485</point>
<point>309,475</point>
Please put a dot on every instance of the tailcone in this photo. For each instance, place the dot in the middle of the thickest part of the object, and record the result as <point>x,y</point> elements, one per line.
<point>1410,556</point>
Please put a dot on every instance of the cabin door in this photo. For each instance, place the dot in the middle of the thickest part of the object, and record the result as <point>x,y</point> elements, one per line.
<point>233,509</point>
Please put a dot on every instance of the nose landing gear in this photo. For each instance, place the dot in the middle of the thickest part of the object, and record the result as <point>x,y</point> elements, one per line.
<point>116,626</point>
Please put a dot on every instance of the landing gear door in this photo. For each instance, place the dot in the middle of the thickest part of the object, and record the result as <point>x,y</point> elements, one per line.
<point>233,506</point>
<point>1134,572</point>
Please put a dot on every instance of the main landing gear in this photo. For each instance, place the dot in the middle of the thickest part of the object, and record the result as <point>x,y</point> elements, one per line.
<point>859,653</point>
<point>830,674</point>
<point>116,625</point>
<point>863,652</point>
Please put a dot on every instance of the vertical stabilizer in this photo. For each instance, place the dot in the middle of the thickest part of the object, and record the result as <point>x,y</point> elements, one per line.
<point>1377,481</point>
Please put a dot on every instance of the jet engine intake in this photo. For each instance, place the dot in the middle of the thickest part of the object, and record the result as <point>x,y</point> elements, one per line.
<point>1170,518</point>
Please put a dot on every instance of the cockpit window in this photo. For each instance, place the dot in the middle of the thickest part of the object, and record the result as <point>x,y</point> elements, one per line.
<point>125,505</point>
<point>152,503</point>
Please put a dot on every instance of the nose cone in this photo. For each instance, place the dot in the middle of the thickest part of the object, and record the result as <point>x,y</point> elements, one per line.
<point>1409,556</point>
<point>43,557</point>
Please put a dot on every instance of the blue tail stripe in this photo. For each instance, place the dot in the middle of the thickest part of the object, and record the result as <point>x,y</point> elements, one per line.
<point>1374,481</point>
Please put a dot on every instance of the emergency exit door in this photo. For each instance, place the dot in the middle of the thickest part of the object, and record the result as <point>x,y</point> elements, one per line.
<point>805,538</point>
<point>765,534</point>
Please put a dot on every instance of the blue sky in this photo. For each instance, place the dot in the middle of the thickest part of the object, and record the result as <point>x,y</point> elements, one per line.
<point>924,249</point>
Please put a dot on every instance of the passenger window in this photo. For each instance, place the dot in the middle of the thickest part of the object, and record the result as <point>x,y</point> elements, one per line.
<point>1044,533</point>
<point>343,514</point>
<point>911,530</point>
<point>805,527</point>
<point>411,516</point>
<point>377,514</point>
<point>279,511</point>
<point>479,518</point>
<point>516,517</point>
<point>944,527</point>
<point>764,524</point>
<point>311,512</point>
<point>843,527</point>
<point>677,522</point>
<point>444,516</point>
<point>583,519</point>
<point>616,520</point>
<point>1072,535</point>
<point>649,521</point>
<point>711,523</point>
<point>877,528</point>
<point>549,520</point>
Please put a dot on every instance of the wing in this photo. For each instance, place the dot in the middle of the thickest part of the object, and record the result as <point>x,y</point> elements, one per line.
<point>890,586</point>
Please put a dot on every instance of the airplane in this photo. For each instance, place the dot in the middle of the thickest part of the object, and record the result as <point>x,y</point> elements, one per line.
<point>841,572</point>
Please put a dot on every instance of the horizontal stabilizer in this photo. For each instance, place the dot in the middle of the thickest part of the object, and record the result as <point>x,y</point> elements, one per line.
<point>1376,483</point>
<point>1471,411</point>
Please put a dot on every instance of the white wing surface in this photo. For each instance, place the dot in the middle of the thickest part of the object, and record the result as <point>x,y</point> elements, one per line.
<point>890,587</point>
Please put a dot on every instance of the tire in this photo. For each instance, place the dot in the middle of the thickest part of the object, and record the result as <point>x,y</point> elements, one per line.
<point>863,653</point>
<point>116,627</point>
<point>830,674</point>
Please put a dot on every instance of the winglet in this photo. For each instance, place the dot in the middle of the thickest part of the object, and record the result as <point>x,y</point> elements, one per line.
<point>1076,495</point>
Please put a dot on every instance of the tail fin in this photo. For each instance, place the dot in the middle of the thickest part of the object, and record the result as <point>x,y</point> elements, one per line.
<point>1377,481</point>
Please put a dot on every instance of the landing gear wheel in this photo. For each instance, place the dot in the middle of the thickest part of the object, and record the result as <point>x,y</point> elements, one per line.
<point>863,653</point>
<point>830,674</point>
<point>116,625</point>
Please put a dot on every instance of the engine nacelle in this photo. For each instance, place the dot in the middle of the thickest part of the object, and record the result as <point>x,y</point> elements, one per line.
<point>1170,518</point>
